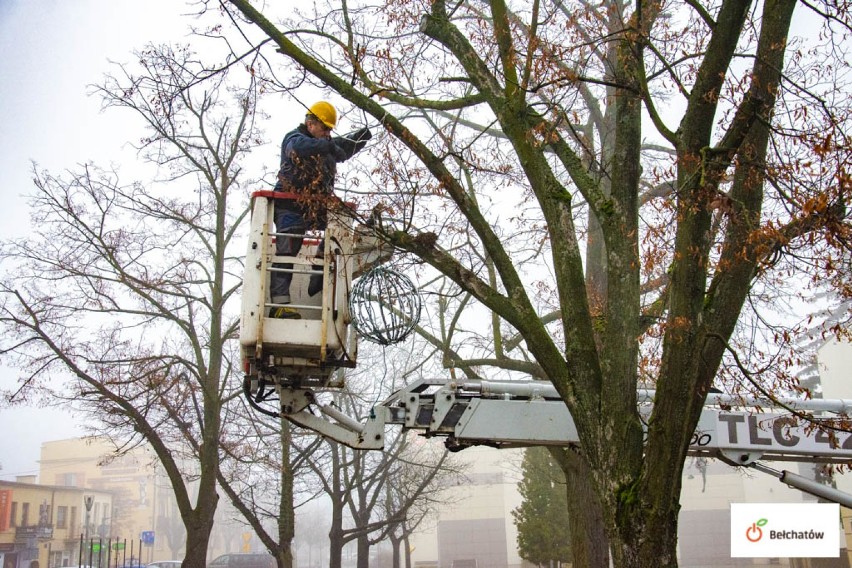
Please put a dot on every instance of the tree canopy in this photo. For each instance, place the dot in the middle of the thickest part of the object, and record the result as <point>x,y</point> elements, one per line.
<point>595,195</point>
<point>627,192</point>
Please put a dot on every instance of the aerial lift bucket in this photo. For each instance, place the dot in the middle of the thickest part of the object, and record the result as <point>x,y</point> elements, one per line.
<point>304,352</point>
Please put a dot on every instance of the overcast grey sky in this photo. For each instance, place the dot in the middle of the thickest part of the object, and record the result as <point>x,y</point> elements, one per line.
<point>53,49</point>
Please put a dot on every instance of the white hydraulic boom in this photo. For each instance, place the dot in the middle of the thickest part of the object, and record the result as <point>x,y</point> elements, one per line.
<point>529,413</point>
<point>525,413</point>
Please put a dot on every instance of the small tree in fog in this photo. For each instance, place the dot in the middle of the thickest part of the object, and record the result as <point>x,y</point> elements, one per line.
<point>121,299</point>
<point>544,533</point>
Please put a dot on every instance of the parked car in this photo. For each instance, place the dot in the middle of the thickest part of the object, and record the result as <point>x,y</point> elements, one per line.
<point>165,564</point>
<point>246,560</point>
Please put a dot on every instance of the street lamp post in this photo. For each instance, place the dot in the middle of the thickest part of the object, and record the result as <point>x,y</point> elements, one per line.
<point>88,501</point>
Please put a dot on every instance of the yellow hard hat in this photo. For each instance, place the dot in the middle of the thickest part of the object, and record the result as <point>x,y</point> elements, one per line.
<point>326,113</point>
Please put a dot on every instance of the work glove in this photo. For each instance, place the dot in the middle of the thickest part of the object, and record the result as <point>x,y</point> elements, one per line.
<point>362,135</point>
<point>353,142</point>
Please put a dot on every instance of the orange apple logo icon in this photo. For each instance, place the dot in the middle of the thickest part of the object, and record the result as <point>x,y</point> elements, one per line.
<point>754,532</point>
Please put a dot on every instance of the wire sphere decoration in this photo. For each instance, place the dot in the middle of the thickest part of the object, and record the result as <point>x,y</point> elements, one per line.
<point>385,306</point>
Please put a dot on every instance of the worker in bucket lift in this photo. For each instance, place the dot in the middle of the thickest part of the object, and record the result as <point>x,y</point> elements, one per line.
<point>309,158</point>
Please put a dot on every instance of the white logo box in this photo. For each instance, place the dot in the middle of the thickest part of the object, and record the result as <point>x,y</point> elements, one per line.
<point>785,530</point>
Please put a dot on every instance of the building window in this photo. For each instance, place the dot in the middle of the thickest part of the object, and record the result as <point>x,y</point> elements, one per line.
<point>73,521</point>
<point>61,516</point>
<point>25,514</point>
<point>13,514</point>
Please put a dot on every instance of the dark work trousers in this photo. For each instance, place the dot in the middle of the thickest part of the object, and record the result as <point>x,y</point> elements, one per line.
<point>291,222</point>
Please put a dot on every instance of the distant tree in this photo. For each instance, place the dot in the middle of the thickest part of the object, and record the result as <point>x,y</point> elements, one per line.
<point>117,299</point>
<point>374,496</point>
<point>357,482</point>
<point>311,538</point>
<point>544,528</point>
<point>266,457</point>
<point>169,526</point>
<point>413,493</point>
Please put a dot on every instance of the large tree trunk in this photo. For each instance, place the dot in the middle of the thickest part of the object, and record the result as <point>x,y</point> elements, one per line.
<point>363,551</point>
<point>336,534</point>
<point>197,539</point>
<point>589,542</point>
<point>407,545</point>
<point>335,544</point>
<point>199,524</point>
<point>286,515</point>
<point>199,520</point>
<point>396,558</point>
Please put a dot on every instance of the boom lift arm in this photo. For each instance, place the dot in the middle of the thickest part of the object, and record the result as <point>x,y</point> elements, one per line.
<point>523,413</point>
<point>527,413</point>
